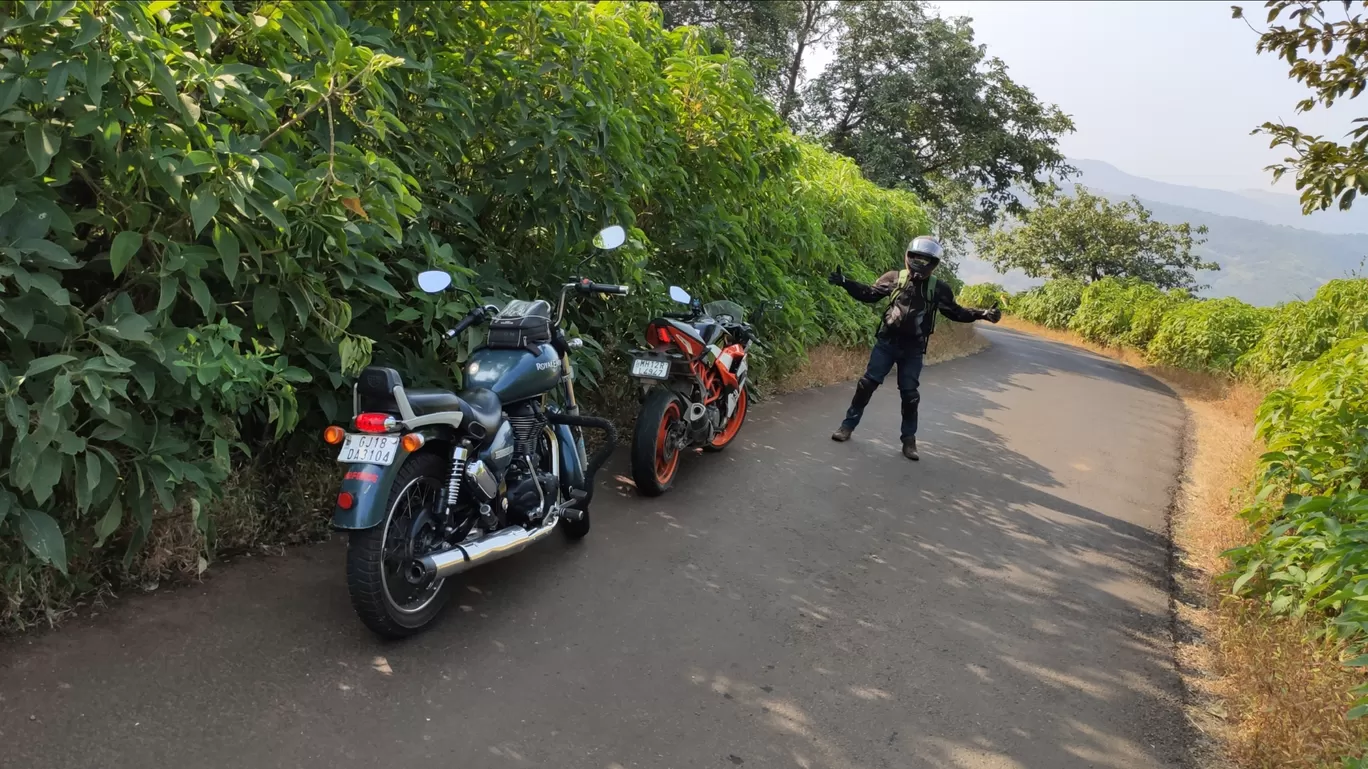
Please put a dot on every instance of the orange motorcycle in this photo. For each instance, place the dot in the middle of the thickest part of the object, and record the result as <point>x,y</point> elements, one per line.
<point>693,386</point>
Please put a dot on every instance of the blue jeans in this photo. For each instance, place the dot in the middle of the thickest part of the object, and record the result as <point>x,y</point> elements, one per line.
<point>885,354</point>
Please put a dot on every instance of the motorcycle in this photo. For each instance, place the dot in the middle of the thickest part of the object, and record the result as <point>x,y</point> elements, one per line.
<point>439,482</point>
<point>693,386</point>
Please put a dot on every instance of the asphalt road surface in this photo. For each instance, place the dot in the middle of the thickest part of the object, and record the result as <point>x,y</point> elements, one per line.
<point>794,602</point>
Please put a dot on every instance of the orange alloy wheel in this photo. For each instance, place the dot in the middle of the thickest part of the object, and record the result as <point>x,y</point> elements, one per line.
<point>733,425</point>
<point>667,456</point>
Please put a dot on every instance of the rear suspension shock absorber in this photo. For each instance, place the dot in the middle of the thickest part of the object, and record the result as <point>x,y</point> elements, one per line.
<point>459,457</point>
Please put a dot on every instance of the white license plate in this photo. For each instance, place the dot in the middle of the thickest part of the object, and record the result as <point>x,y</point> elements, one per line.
<point>369,449</point>
<point>654,369</point>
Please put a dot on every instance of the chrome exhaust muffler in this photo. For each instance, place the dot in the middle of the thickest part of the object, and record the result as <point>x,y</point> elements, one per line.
<point>491,547</point>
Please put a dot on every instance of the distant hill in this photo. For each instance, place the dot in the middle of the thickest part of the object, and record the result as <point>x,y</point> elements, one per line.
<point>1258,205</point>
<point>1264,259</point>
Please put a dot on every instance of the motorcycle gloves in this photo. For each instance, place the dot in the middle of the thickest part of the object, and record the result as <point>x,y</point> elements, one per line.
<point>836,278</point>
<point>992,315</point>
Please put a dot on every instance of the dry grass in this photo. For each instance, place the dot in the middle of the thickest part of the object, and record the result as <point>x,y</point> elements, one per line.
<point>1266,691</point>
<point>829,364</point>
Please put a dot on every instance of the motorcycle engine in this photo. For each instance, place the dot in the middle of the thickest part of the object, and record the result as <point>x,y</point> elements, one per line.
<point>525,504</point>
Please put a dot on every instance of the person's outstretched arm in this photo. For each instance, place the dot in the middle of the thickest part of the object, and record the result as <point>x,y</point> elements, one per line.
<point>945,302</point>
<point>862,293</point>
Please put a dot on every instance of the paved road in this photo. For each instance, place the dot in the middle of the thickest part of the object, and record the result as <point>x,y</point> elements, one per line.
<point>794,603</point>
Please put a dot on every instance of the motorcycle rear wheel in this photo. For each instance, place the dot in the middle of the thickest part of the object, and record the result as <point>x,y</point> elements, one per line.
<point>654,459</point>
<point>376,557</point>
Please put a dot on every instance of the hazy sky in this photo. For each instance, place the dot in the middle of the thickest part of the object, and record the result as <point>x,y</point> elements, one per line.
<point>1166,90</point>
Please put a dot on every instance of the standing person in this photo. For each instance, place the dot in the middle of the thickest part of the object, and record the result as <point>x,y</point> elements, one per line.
<point>906,327</point>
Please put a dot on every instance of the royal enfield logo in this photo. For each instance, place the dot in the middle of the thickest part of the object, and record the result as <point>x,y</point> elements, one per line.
<point>552,364</point>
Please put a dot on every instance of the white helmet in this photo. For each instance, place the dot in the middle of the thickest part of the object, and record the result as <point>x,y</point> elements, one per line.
<point>926,246</point>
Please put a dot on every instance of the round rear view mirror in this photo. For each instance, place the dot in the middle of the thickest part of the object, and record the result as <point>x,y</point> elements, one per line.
<point>610,238</point>
<point>433,281</point>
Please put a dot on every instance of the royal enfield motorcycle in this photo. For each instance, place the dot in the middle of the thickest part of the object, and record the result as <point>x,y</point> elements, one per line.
<point>693,386</point>
<point>439,482</point>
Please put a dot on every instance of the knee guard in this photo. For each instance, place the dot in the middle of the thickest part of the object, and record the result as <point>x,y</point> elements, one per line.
<point>910,402</point>
<point>864,390</point>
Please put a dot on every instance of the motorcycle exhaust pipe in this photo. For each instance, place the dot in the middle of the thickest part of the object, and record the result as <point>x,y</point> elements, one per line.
<point>463,558</point>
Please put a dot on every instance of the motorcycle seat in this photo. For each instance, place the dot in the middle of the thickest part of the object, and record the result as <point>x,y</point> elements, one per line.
<point>483,406</point>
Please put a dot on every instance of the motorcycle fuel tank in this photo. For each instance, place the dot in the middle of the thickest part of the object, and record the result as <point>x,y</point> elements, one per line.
<point>515,374</point>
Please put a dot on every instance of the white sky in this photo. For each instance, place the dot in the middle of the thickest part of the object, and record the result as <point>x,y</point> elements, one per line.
<point>1165,90</point>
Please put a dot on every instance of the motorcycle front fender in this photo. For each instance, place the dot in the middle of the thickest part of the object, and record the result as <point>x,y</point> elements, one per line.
<point>369,486</point>
<point>571,462</point>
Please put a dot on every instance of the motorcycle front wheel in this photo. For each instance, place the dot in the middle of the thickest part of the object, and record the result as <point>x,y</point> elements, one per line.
<point>728,433</point>
<point>655,447</point>
<point>385,599</point>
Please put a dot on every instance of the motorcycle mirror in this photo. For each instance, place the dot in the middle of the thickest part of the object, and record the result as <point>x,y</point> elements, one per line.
<point>434,281</point>
<point>679,295</point>
<point>610,238</point>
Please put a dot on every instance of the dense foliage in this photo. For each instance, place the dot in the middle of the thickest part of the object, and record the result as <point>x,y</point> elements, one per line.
<point>1302,331</point>
<point>211,215</point>
<point>983,296</point>
<point>1088,237</point>
<point>1208,335</point>
<point>1328,53</point>
<point>1051,305</point>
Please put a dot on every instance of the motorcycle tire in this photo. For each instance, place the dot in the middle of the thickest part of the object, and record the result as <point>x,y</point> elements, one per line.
<point>653,466</point>
<point>366,577</point>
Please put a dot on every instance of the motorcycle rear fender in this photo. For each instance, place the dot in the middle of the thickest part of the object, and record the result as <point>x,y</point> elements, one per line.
<point>369,485</point>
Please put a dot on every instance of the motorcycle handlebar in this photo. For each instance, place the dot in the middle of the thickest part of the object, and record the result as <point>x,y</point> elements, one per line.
<point>474,316</point>
<point>586,286</point>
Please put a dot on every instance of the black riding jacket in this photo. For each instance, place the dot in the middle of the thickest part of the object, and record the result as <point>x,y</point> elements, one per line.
<point>911,303</point>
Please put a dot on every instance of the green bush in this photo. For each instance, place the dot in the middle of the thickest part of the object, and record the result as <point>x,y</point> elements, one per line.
<point>1302,331</point>
<point>211,215</point>
<point>1051,305</point>
<point>983,296</point>
<point>1148,314</point>
<point>1313,553</point>
<point>1208,335</point>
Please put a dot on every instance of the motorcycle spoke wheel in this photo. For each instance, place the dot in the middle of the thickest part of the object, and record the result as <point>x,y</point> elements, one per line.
<point>411,532</point>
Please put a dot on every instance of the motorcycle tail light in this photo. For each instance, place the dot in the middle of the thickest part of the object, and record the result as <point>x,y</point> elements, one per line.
<point>662,335</point>
<point>345,500</point>
<point>375,423</point>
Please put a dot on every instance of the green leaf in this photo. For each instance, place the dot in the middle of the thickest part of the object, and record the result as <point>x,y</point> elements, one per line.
<point>132,327</point>
<point>147,379</point>
<point>56,82</point>
<point>89,481</point>
<point>125,245</point>
<point>51,253</point>
<point>378,283</point>
<point>9,92</point>
<point>42,143</point>
<point>229,250</point>
<point>7,198</point>
<point>43,537</point>
<point>90,29</point>
<point>200,292</point>
<point>1357,712</point>
<point>109,522</point>
<point>204,205</point>
<point>46,363</point>
<point>204,34</point>
<point>98,71</point>
<point>265,303</point>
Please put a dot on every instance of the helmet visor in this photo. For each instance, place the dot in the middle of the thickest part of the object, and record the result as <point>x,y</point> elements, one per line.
<point>920,262</point>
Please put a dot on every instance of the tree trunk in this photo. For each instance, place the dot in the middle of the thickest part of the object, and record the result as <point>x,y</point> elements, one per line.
<point>811,9</point>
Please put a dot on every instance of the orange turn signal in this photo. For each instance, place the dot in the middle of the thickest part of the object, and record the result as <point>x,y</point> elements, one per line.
<point>334,435</point>
<point>412,442</point>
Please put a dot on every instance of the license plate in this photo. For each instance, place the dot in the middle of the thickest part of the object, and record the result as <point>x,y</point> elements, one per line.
<point>369,449</point>
<point>653,369</point>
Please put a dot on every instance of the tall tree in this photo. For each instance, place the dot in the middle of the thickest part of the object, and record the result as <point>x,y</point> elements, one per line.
<point>775,37</point>
<point>913,100</point>
<point>1087,237</point>
<point>1329,56</point>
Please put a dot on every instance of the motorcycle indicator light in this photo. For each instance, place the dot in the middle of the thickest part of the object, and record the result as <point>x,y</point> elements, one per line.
<point>334,435</point>
<point>374,423</point>
<point>412,442</point>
